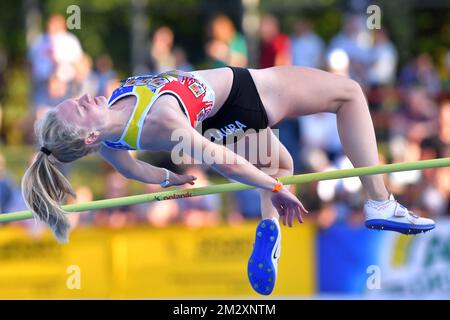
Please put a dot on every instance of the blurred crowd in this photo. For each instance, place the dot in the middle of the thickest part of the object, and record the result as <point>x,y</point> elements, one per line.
<point>60,69</point>
<point>410,107</point>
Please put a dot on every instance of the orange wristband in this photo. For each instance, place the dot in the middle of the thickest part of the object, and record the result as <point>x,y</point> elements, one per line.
<point>277,187</point>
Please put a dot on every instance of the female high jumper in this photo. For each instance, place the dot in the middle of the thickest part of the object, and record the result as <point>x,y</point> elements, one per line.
<point>144,112</point>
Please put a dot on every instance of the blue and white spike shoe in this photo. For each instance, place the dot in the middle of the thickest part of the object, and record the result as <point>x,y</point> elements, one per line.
<point>391,215</point>
<point>263,263</point>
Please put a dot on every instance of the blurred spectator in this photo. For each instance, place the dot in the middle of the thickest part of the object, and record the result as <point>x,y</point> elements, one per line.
<point>57,92</point>
<point>432,198</point>
<point>181,60</point>
<point>17,203</point>
<point>341,201</point>
<point>289,135</point>
<point>111,85</point>
<point>384,60</point>
<point>247,205</point>
<point>353,42</point>
<point>338,62</point>
<point>326,216</point>
<point>444,126</point>
<point>6,187</point>
<point>418,118</point>
<point>86,79</point>
<point>223,30</point>
<point>57,51</point>
<point>105,72</point>
<point>307,47</point>
<point>446,77</point>
<point>158,214</point>
<point>275,46</point>
<point>11,200</point>
<point>161,50</point>
<point>421,72</point>
<point>319,132</point>
<point>199,211</point>
<point>275,50</point>
<point>42,62</point>
<point>66,49</point>
<point>33,227</point>
<point>443,174</point>
<point>84,194</point>
<point>218,54</point>
<point>329,190</point>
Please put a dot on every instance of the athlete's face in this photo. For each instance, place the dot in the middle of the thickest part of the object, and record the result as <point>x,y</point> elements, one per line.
<point>85,112</point>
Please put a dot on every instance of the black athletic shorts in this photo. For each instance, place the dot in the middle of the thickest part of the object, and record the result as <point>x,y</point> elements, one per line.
<point>243,110</point>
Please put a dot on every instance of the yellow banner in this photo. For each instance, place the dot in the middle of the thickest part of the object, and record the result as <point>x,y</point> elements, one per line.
<point>143,262</point>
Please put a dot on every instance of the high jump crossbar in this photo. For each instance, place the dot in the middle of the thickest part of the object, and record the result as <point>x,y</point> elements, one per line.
<point>232,187</point>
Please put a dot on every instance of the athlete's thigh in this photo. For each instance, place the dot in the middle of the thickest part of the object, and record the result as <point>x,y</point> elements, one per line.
<point>290,91</point>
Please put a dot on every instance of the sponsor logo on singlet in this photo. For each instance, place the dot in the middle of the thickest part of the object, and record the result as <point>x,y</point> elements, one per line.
<point>232,128</point>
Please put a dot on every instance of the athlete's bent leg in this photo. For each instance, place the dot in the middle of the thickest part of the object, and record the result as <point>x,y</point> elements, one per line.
<point>296,91</point>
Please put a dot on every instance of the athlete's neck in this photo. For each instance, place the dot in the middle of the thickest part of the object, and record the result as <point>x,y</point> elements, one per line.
<point>117,116</point>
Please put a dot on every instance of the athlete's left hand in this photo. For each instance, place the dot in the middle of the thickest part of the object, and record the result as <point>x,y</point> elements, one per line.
<point>287,206</point>
<point>180,179</point>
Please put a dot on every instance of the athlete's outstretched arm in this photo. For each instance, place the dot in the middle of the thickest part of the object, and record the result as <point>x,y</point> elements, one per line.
<point>235,167</point>
<point>141,171</point>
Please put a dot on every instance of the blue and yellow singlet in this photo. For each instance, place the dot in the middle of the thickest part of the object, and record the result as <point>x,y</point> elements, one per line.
<point>194,95</point>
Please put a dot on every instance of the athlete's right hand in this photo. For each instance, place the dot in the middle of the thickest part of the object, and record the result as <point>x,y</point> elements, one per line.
<point>287,206</point>
<point>180,179</point>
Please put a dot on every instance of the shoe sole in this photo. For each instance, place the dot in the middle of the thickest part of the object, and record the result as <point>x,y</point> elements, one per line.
<point>405,228</point>
<point>260,270</point>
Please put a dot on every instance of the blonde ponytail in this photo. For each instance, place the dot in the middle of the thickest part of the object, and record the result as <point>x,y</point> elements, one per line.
<point>44,187</point>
